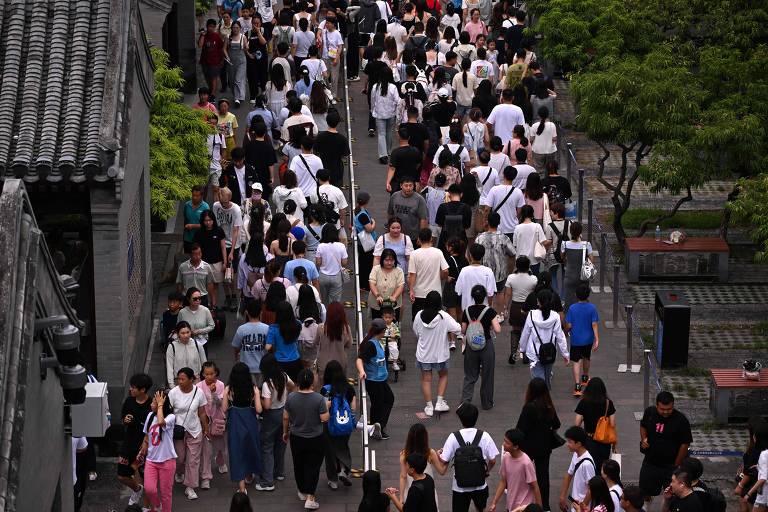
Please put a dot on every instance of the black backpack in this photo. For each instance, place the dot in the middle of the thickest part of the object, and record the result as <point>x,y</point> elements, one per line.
<point>547,352</point>
<point>453,227</point>
<point>455,157</point>
<point>560,239</point>
<point>712,499</point>
<point>469,464</point>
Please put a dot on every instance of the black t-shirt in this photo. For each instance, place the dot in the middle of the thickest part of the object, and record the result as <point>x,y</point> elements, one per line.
<point>417,135</point>
<point>406,161</point>
<point>169,323</point>
<point>592,412</point>
<point>260,154</point>
<point>373,70</point>
<point>665,436</point>
<point>210,243</point>
<point>485,104</point>
<point>331,148</point>
<point>455,264</point>
<point>558,182</point>
<point>421,496</point>
<point>259,51</point>
<point>443,112</point>
<point>537,425</point>
<point>530,82</point>
<point>690,503</point>
<point>134,431</point>
<point>531,304</point>
<point>487,319</point>
<point>378,503</point>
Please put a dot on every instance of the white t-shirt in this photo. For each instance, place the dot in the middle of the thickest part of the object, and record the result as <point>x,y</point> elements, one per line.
<point>331,256</point>
<point>523,171</point>
<point>525,238</point>
<point>307,177</point>
<point>185,406</point>
<point>504,117</point>
<point>615,492</point>
<point>470,276</point>
<point>427,263</point>
<point>451,21</point>
<point>522,285</point>
<point>490,452</point>
<point>543,144</point>
<point>335,196</point>
<point>215,143</point>
<point>266,392</point>
<point>303,40</point>
<point>508,211</point>
<point>316,68</point>
<point>160,450</point>
<point>397,31</point>
<point>265,9</point>
<point>499,161</point>
<point>78,443</point>
<point>483,70</point>
<point>331,43</point>
<point>384,9</point>
<point>487,178</point>
<point>570,244</point>
<point>228,219</point>
<point>581,476</point>
<point>463,156</point>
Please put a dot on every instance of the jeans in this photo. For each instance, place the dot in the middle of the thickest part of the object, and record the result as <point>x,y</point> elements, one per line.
<point>475,362</point>
<point>162,471</point>
<point>543,371</point>
<point>384,129</point>
<point>382,400</point>
<point>189,451</point>
<point>555,272</point>
<point>330,287</point>
<point>272,446</point>
<point>307,454</point>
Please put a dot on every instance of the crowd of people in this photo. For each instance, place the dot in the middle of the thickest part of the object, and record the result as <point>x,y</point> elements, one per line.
<point>476,236</point>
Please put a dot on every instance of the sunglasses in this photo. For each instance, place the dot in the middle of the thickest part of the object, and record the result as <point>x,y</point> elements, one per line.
<point>197,299</point>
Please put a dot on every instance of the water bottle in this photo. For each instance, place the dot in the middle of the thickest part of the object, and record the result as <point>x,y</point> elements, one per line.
<point>658,234</point>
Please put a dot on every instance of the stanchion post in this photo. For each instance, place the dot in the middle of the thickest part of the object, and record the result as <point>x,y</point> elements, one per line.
<point>569,146</point>
<point>603,259</point>
<point>646,378</point>
<point>590,204</point>
<point>628,312</point>
<point>581,195</point>
<point>616,269</point>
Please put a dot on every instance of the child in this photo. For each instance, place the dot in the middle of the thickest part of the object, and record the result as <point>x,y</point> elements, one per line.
<point>136,408</point>
<point>581,321</point>
<point>170,316</point>
<point>474,134</point>
<point>215,444</point>
<point>160,454</point>
<point>456,261</point>
<point>392,335</point>
<point>518,474</point>
<point>421,494</point>
<point>581,469</point>
<point>435,196</point>
<point>373,499</point>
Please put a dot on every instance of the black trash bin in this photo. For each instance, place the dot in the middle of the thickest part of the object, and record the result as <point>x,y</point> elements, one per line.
<point>671,328</point>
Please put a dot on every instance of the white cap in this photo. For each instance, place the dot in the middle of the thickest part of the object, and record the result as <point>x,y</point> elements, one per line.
<point>443,92</point>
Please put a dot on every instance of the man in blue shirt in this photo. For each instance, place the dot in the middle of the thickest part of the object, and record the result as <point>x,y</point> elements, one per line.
<point>192,211</point>
<point>581,322</point>
<point>299,250</point>
<point>251,338</point>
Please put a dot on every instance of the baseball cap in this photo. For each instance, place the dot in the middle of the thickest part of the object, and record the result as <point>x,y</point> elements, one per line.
<point>363,197</point>
<point>257,186</point>
<point>378,324</point>
<point>442,92</point>
<point>298,233</point>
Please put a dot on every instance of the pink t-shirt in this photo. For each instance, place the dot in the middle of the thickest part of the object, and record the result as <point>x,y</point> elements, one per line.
<point>519,474</point>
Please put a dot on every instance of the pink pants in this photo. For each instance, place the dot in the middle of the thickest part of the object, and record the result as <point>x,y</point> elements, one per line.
<point>188,451</point>
<point>214,451</point>
<point>163,471</point>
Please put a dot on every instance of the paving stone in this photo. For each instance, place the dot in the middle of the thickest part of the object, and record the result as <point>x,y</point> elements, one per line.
<point>705,293</point>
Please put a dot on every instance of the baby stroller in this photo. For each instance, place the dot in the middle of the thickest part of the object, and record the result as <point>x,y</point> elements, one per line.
<point>395,363</point>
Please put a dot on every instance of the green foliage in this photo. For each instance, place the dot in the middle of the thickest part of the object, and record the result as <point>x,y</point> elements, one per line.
<point>202,7</point>
<point>178,155</point>
<point>707,219</point>
<point>750,207</point>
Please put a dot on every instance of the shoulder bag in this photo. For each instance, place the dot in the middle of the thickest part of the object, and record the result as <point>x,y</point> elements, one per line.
<point>588,269</point>
<point>605,432</point>
<point>178,429</point>
<point>496,210</point>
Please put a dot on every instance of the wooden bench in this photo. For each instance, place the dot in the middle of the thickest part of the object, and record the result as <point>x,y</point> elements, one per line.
<point>724,382</point>
<point>699,257</point>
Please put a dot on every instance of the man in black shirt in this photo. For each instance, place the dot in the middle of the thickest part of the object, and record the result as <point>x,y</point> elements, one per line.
<point>679,496</point>
<point>410,78</point>
<point>260,155</point>
<point>418,136</point>
<point>453,217</point>
<point>557,188</point>
<point>514,36</point>
<point>537,76</point>
<point>332,147</point>
<point>136,408</point>
<point>238,176</point>
<point>404,161</point>
<point>421,493</point>
<point>665,435</point>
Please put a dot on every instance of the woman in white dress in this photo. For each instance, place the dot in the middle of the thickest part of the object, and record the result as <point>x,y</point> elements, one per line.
<point>416,442</point>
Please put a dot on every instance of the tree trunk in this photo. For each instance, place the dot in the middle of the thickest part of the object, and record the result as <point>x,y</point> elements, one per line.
<point>664,216</point>
<point>726,221</point>
<point>620,199</point>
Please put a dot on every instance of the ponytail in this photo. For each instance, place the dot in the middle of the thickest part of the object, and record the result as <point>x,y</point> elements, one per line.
<point>543,115</point>
<point>464,77</point>
<point>544,298</point>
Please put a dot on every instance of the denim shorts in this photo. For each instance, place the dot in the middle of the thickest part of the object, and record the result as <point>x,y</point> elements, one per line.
<point>432,366</point>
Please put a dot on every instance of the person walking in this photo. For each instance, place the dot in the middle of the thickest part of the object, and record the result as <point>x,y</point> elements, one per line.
<point>189,406</point>
<point>336,390</point>
<point>518,475</point>
<point>432,326</point>
<point>498,248</point>
<point>575,485</point>
<point>538,422</point>
<point>384,98</point>
<point>518,286</point>
<point>331,259</point>
<point>395,240</point>
<point>543,140</point>
<point>197,316</point>
<point>595,404</point>
<point>477,360</point>
<point>197,273</point>
<point>581,321</point>
<point>575,252</point>
<point>365,227</point>
<point>303,417</point>
<point>426,269</point>
<point>183,352</point>
<point>372,367</point>
<point>333,338</point>
<point>237,49</point>
<point>416,442</point>
<point>242,403</point>
<point>212,243</point>
<point>386,284</point>
<point>214,446</point>
<point>159,453</point>
<point>136,408</point>
<point>541,329</point>
<point>283,335</point>
<point>529,239</point>
<point>275,387</point>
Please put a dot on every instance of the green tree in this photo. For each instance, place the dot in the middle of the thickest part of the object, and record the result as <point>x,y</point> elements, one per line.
<point>178,155</point>
<point>750,207</point>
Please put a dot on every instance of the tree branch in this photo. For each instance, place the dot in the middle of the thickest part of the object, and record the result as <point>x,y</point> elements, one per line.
<point>726,221</point>
<point>650,222</point>
<point>601,168</point>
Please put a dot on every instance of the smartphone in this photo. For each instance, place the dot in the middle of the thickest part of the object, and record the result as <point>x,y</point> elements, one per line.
<point>573,501</point>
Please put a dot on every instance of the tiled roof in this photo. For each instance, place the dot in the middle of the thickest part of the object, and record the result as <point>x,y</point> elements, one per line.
<point>53,64</point>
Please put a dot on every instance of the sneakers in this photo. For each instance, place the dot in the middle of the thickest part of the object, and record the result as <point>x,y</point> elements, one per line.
<point>344,478</point>
<point>371,132</point>
<point>179,479</point>
<point>441,405</point>
<point>377,431</point>
<point>264,487</point>
<point>452,346</point>
<point>511,359</point>
<point>333,485</point>
<point>237,103</point>
<point>395,367</point>
<point>429,410</point>
<point>311,504</point>
<point>354,79</point>
<point>223,469</point>
<point>577,390</point>
<point>190,493</point>
<point>136,496</point>
<point>585,379</point>
<point>302,496</point>
<point>384,435</point>
<point>205,484</point>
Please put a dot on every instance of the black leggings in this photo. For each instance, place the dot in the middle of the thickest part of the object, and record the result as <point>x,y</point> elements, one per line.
<point>542,478</point>
<point>307,454</point>
<point>382,401</point>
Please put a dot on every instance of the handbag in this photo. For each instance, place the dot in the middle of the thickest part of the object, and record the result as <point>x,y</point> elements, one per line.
<point>539,251</point>
<point>588,269</point>
<point>218,426</point>
<point>605,432</point>
<point>555,439</point>
<point>617,457</point>
<point>228,274</point>
<point>178,429</point>
<point>366,240</point>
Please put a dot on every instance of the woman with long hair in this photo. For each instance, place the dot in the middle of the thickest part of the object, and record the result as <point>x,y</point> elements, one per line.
<point>198,316</point>
<point>537,199</point>
<point>431,29</point>
<point>212,241</point>
<point>448,41</point>
<point>386,283</point>
<point>333,338</point>
<point>302,40</point>
<point>242,403</point>
<point>283,335</point>
<point>251,268</point>
<point>593,405</point>
<point>276,88</point>
<point>539,422</point>
<point>182,352</point>
<point>600,496</point>
<point>338,459</point>
<point>363,221</point>
<point>331,259</point>
<point>275,386</point>
<point>575,251</point>
<point>292,147</point>
<point>528,236</point>
<point>304,83</point>
<point>417,441</point>
<point>371,366</point>
<point>303,418</point>
<point>314,222</point>
<point>237,49</point>
<point>215,446</point>
<point>520,98</point>
<point>390,52</point>
<point>464,83</point>
<point>311,314</point>
<point>318,105</point>
<point>542,96</point>
<point>749,461</point>
<point>471,195</point>
<point>384,98</point>
<point>280,247</point>
<point>373,499</point>
<point>159,453</point>
<point>475,26</point>
<point>543,140</point>
<point>541,326</point>
<point>518,140</point>
<point>267,289</point>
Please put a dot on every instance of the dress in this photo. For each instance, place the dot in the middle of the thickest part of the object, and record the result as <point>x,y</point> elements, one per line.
<point>276,99</point>
<point>573,260</point>
<point>243,442</point>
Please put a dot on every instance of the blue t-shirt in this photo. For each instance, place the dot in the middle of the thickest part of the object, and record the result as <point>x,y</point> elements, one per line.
<point>312,272</point>
<point>251,338</point>
<point>192,216</point>
<point>284,352</point>
<point>581,316</point>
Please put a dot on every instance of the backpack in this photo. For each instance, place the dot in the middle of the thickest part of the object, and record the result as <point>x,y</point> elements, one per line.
<point>469,464</point>
<point>453,227</point>
<point>328,208</point>
<point>283,35</point>
<point>547,352</point>
<point>475,335</point>
<point>308,334</point>
<point>456,157</point>
<point>712,499</point>
<point>560,239</point>
<point>367,17</point>
<point>342,421</point>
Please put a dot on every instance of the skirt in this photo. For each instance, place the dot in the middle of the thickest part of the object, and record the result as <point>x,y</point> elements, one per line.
<point>243,442</point>
<point>517,316</point>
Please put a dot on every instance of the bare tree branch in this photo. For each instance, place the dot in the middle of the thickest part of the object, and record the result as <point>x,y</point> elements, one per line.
<point>651,222</point>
